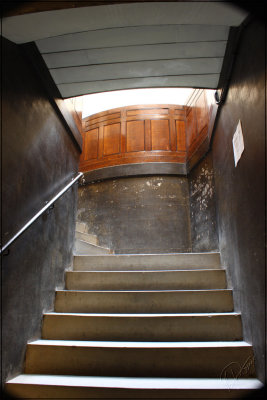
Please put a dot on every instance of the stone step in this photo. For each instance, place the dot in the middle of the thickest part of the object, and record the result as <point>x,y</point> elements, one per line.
<point>150,327</point>
<point>86,237</point>
<point>165,301</point>
<point>134,280</point>
<point>148,262</point>
<point>85,248</point>
<point>154,359</point>
<point>81,227</point>
<point>95,387</point>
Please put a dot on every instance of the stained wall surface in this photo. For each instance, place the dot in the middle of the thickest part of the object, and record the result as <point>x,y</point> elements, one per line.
<point>203,218</point>
<point>39,159</point>
<point>240,190</point>
<point>138,214</point>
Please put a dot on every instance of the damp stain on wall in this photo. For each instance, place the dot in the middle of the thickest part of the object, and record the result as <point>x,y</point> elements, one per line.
<point>202,207</point>
<point>138,214</point>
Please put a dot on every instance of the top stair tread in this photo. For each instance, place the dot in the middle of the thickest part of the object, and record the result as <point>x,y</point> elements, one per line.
<point>121,262</point>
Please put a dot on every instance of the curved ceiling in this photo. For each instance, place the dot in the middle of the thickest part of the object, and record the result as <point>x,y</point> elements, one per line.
<point>124,46</point>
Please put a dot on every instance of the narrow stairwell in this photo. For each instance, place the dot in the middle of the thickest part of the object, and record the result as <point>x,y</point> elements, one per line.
<point>140,326</point>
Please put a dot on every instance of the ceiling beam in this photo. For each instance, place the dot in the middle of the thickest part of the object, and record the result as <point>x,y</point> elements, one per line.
<point>32,27</point>
<point>135,53</point>
<point>209,81</point>
<point>138,69</point>
<point>131,36</point>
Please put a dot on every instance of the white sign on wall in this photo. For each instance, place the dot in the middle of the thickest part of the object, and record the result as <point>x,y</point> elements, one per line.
<point>238,143</point>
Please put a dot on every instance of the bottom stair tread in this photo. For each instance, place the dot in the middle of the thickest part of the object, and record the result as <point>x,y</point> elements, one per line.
<point>138,344</point>
<point>119,387</point>
<point>136,382</point>
<point>142,359</point>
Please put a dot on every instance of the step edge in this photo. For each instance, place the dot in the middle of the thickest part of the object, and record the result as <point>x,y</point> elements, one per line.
<point>87,233</point>
<point>94,246</point>
<point>141,344</point>
<point>144,291</point>
<point>146,315</point>
<point>138,255</point>
<point>151,271</point>
<point>186,383</point>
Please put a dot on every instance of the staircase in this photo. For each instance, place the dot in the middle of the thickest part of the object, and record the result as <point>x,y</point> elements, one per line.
<point>87,243</point>
<point>140,326</point>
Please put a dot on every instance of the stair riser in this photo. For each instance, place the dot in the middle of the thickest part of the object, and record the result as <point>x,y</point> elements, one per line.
<point>144,302</point>
<point>157,362</point>
<point>204,328</point>
<point>82,352</point>
<point>81,227</point>
<point>87,237</point>
<point>84,248</point>
<point>70,392</point>
<point>146,280</point>
<point>147,262</point>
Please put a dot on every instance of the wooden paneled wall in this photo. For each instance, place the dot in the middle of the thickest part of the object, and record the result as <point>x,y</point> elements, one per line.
<point>197,121</point>
<point>134,134</point>
<point>74,106</point>
<point>144,133</point>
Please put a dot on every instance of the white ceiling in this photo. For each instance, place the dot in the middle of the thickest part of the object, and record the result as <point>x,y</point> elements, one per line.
<point>95,103</point>
<point>124,46</point>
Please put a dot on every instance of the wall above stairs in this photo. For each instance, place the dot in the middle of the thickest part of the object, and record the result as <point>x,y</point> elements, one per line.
<point>152,214</point>
<point>138,214</point>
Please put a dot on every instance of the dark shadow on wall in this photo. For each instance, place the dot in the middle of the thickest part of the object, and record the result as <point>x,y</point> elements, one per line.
<point>39,159</point>
<point>240,190</point>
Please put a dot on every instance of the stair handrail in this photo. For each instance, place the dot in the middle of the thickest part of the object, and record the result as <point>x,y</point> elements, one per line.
<point>48,205</point>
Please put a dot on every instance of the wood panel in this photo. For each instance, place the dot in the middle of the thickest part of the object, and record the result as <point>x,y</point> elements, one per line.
<point>145,133</point>
<point>112,139</point>
<point>181,139</point>
<point>91,145</point>
<point>191,127</point>
<point>74,106</point>
<point>103,118</point>
<point>135,136</point>
<point>201,112</point>
<point>151,111</point>
<point>197,122</point>
<point>160,135</point>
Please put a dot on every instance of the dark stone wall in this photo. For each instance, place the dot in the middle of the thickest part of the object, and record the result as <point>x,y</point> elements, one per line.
<point>240,191</point>
<point>202,206</point>
<point>138,214</point>
<point>39,159</point>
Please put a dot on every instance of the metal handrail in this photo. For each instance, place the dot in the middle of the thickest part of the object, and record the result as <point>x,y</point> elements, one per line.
<point>47,206</point>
